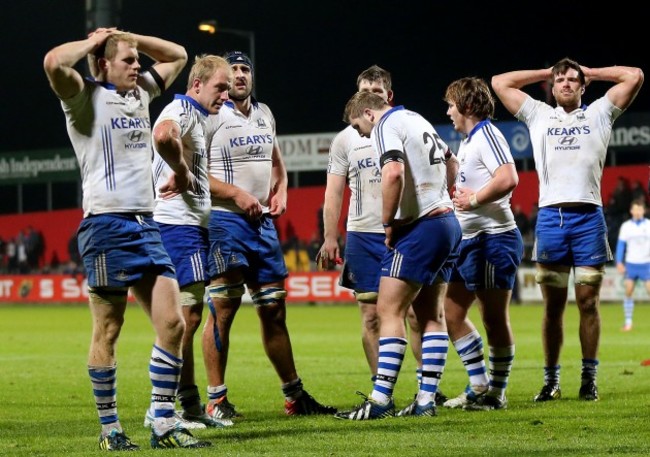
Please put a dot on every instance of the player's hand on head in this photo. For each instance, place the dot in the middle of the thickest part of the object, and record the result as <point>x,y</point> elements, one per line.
<point>102,33</point>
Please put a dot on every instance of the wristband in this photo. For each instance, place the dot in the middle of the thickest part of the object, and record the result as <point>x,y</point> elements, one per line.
<point>473,203</point>
<point>386,225</point>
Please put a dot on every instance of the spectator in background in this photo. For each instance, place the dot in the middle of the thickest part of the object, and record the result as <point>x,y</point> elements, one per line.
<point>12,256</point>
<point>638,192</point>
<point>296,256</point>
<point>3,255</point>
<point>34,248</point>
<point>617,208</point>
<point>21,255</point>
<point>633,256</point>
<point>75,265</point>
<point>532,218</point>
<point>620,198</point>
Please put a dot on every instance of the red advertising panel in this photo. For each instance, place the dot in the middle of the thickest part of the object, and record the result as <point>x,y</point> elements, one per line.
<point>43,289</point>
<point>319,286</point>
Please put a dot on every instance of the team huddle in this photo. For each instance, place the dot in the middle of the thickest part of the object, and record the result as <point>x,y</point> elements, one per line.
<point>204,231</point>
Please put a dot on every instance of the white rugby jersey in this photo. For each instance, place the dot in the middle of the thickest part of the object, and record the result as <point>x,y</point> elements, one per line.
<point>483,151</point>
<point>353,156</point>
<point>569,149</point>
<point>240,151</point>
<point>188,208</point>
<point>636,235</point>
<point>425,184</point>
<point>111,136</point>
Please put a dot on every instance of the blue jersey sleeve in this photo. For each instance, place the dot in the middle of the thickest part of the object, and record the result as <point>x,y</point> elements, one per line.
<point>620,251</point>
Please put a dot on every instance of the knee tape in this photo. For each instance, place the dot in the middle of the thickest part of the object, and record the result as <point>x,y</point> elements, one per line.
<point>366,297</point>
<point>268,295</point>
<point>552,278</point>
<point>221,291</point>
<point>192,294</point>
<point>588,276</point>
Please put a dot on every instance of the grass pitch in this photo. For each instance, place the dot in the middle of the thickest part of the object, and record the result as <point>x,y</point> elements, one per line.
<point>47,409</point>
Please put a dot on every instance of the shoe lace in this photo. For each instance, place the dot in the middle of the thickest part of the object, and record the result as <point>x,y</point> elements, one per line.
<point>184,436</point>
<point>119,440</point>
<point>178,437</point>
<point>365,399</point>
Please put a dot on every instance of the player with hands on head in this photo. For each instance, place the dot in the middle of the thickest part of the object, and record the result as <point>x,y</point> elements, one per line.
<point>570,143</point>
<point>110,130</point>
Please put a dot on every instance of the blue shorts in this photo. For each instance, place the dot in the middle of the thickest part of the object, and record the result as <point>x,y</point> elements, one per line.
<point>637,271</point>
<point>363,254</point>
<point>423,249</point>
<point>236,242</point>
<point>574,236</point>
<point>118,249</point>
<point>489,261</point>
<point>187,246</point>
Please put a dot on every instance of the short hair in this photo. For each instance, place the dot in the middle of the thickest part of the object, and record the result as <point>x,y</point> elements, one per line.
<point>562,66</point>
<point>472,96</point>
<point>108,50</point>
<point>376,73</point>
<point>359,102</point>
<point>205,66</point>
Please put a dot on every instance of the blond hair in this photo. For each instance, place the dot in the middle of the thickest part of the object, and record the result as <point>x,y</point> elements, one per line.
<point>205,66</point>
<point>359,102</point>
<point>108,50</point>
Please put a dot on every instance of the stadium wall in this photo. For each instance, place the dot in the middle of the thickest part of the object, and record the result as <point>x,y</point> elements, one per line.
<point>311,287</point>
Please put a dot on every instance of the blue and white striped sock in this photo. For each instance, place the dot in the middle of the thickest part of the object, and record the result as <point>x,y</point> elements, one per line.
<point>435,346</point>
<point>165,374</point>
<point>500,360</point>
<point>104,382</point>
<point>628,311</point>
<point>470,350</point>
<point>391,356</point>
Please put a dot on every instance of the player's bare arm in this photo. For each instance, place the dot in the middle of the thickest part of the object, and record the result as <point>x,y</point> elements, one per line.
<point>170,57</point>
<point>59,63</point>
<point>168,143</point>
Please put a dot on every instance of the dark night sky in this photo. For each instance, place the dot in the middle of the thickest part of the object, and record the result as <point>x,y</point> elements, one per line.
<point>309,53</point>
